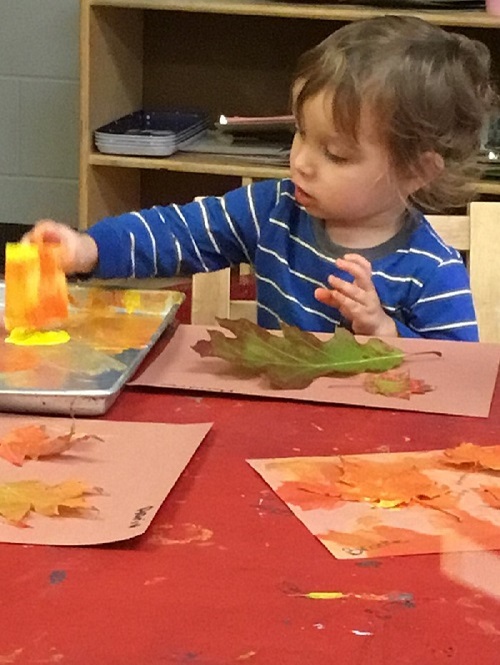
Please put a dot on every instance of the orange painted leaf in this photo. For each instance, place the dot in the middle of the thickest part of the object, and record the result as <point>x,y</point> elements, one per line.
<point>295,358</point>
<point>315,485</point>
<point>475,457</point>
<point>33,441</point>
<point>395,384</point>
<point>387,485</point>
<point>18,499</point>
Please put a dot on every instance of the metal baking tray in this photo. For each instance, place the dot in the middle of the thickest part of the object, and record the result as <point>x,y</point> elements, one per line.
<point>111,332</point>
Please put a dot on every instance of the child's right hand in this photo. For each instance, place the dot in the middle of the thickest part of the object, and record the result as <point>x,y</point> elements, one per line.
<point>79,251</point>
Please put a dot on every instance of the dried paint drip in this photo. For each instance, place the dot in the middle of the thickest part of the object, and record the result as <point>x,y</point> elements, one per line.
<point>25,337</point>
<point>393,597</point>
<point>183,534</point>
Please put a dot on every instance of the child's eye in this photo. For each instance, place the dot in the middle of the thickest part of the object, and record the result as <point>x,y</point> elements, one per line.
<point>336,159</point>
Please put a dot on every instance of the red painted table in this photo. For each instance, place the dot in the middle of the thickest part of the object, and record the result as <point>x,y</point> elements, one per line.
<point>213,580</point>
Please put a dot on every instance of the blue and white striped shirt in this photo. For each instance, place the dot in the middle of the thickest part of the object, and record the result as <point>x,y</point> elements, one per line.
<point>422,283</point>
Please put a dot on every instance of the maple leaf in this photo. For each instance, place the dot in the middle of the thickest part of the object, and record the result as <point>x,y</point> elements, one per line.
<point>387,485</point>
<point>33,441</point>
<point>296,358</point>
<point>18,499</point>
<point>395,384</point>
<point>473,456</point>
<point>315,484</point>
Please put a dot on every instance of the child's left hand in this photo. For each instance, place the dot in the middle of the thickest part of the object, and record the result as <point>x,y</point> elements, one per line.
<point>358,302</point>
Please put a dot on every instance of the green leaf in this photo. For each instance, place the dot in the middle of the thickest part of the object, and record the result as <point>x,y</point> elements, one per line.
<point>293,360</point>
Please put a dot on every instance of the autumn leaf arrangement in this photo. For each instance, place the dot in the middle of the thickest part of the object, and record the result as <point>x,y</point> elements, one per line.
<point>18,499</point>
<point>390,485</point>
<point>295,358</point>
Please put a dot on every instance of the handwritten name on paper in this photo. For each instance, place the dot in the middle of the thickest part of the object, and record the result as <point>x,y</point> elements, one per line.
<point>139,515</point>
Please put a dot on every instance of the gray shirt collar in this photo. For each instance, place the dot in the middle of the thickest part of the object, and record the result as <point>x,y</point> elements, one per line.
<point>398,241</point>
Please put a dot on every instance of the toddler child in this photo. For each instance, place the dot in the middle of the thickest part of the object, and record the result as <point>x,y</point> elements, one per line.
<point>389,113</point>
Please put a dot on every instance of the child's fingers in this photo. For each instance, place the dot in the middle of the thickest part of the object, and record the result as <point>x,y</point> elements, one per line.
<point>359,267</point>
<point>353,291</point>
<point>43,231</point>
<point>46,231</point>
<point>326,296</point>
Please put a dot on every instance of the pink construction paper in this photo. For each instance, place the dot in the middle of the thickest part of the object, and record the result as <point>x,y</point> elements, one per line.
<point>362,530</point>
<point>463,378</point>
<point>136,465</point>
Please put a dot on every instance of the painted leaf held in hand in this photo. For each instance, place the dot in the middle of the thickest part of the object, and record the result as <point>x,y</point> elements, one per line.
<point>18,499</point>
<point>33,441</point>
<point>395,384</point>
<point>474,457</point>
<point>296,358</point>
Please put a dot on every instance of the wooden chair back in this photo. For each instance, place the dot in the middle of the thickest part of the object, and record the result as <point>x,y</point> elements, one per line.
<point>211,298</point>
<point>476,235</point>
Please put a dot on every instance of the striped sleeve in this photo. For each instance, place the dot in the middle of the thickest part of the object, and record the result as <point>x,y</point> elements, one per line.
<point>444,308</point>
<point>205,235</point>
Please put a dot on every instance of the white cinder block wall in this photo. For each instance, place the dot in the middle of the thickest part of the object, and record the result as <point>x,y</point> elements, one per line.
<point>38,110</point>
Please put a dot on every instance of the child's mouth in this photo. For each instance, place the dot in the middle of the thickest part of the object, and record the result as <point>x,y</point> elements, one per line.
<point>302,197</point>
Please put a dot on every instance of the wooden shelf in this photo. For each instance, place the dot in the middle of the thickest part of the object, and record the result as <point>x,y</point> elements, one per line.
<point>225,56</point>
<point>328,12</point>
<point>194,163</point>
<point>223,166</point>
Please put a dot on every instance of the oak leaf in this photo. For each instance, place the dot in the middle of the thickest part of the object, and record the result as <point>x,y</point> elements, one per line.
<point>18,499</point>
<point>474,457</point>
<point>395,384</point>
<point>33,441</point>
<point>294,359</point>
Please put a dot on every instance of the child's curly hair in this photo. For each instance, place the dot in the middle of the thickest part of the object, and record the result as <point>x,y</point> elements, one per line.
<point>428,90</point>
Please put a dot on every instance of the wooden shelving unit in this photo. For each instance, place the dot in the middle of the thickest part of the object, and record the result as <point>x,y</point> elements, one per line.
<point>226,56</point>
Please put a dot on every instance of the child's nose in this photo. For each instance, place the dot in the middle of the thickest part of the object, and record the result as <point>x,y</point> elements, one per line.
<point>304,159</point>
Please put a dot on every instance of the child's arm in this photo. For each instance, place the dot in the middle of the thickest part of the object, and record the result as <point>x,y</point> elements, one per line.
<point>79,251</point>
<point>358,301</point>
<point>164,241</point>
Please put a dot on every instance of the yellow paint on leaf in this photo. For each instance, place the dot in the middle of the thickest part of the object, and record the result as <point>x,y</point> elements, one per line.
<point>25,337</point>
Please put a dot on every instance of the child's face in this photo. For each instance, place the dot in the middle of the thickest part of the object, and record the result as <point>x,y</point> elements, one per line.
<point>341,181</point>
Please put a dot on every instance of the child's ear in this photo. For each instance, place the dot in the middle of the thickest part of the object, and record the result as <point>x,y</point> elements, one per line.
<point>429,166</point>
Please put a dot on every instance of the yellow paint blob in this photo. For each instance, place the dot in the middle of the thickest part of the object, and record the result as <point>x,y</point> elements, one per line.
<point>325,595</point>
<point>26,337</point>
<point>131,301</point>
